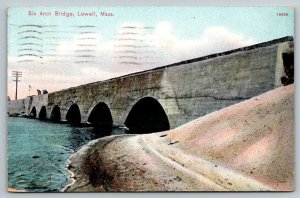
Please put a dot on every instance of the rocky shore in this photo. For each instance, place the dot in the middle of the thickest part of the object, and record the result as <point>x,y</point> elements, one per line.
<point>245,147</point>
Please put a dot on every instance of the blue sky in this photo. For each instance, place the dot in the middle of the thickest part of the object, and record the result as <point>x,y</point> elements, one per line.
<point>163,35</point>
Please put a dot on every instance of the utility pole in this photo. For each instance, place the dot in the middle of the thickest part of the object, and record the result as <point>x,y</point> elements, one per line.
<point>17,75</point>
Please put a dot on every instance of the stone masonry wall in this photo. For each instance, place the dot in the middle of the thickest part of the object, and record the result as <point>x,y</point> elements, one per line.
<point>16,106</point>
<point>186,90</point>
<point>36,101</point>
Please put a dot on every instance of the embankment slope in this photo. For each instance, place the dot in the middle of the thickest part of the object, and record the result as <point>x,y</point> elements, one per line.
<point>245,147</point>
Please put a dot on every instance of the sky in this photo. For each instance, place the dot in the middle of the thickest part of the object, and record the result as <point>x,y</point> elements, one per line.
<point>60,47</point>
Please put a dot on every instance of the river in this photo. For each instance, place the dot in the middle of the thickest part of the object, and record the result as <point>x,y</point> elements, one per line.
<point>37,152</point>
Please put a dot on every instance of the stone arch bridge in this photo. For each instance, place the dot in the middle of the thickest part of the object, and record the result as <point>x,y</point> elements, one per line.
<point>168,96</point>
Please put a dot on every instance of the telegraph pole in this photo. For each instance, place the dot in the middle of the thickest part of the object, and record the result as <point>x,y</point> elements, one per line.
<point>17,75</point>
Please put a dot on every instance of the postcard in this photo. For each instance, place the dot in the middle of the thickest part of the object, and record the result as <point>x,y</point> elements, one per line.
<point>151,99</point>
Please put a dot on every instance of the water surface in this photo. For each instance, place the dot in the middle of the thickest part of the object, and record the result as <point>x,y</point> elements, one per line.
<point>38,152</point>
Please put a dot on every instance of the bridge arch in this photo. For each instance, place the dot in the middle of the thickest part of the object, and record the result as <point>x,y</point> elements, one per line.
<point>147,116</point>
<point>101,116</point>
<point>43,113</point>
<point>55,115</point>
<point>33,112</point>
<point>73,114</point>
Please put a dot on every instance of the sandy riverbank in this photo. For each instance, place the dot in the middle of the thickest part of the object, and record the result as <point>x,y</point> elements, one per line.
<point>245,147</point>
<point>9,189</point>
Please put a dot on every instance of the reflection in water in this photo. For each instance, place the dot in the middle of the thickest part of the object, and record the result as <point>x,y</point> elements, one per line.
<point>101,131</point>
<point>38,152</point>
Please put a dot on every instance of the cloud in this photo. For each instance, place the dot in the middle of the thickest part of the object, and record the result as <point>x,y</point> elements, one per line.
<point>213,40</point>
<point>89,57</point>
